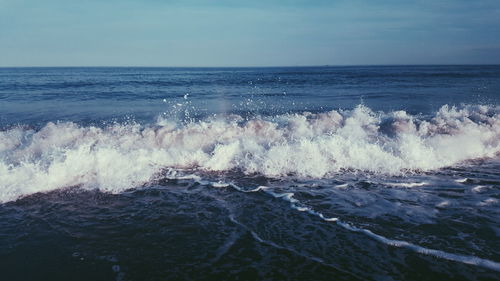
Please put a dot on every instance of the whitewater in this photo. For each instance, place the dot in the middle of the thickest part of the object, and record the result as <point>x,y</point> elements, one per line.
<point>117,157</point>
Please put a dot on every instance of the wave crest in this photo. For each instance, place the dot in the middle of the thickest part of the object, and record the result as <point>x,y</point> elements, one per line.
<point>121,156</point>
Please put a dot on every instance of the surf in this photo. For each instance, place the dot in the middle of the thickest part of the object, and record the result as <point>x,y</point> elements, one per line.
<point>119,156</point>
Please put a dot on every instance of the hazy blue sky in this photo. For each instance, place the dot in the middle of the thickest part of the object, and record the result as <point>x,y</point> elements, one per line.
<point>247,33</point>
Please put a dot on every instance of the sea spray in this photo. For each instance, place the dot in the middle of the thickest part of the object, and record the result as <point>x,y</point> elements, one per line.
<point>117,157</point>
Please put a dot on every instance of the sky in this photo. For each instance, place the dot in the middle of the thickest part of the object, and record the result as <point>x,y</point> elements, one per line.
<point>248,33</point>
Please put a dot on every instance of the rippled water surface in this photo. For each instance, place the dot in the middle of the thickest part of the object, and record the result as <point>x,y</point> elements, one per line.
<point>324,173</point>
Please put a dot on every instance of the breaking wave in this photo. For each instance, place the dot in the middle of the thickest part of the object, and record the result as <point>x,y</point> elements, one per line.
<point>312,145</point>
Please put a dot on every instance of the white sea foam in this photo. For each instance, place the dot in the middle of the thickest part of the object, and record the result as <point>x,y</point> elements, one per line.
<point>479,188</point>
<point>443,204</point>
<point>407,184</point>
<point>123,156</point>
<point>488,202</point>
<point>342,186</point>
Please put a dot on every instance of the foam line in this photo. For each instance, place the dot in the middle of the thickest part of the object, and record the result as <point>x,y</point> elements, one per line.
<point>472,260</point>
<point>274,245</point>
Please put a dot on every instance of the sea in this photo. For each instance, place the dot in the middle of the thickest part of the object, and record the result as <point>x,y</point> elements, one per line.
<point>275,173</point>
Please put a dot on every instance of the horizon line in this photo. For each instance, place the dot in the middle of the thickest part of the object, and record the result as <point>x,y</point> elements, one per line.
<point>243,66</point>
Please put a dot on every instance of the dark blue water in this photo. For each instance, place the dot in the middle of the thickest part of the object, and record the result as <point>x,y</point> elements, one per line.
<point>38,95</point>
<point>296,173</point>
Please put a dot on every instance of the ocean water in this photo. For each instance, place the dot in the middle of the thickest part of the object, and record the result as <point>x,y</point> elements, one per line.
<point>297,173</point>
